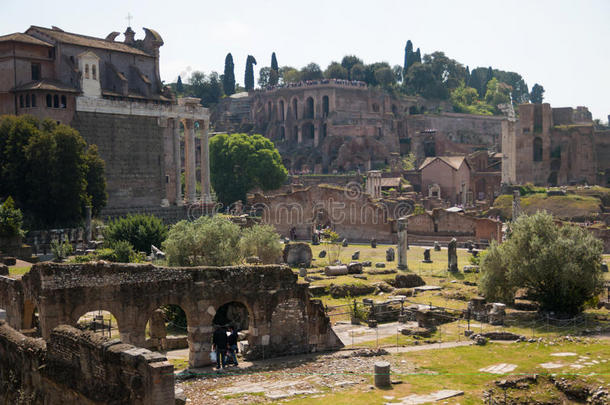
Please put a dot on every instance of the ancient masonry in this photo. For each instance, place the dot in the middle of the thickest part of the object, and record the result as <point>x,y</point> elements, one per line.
<point>281,318</point>
<point>111,91</point>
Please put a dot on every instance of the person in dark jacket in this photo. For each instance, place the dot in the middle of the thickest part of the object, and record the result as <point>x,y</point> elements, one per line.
<point>232,344</point>
<point>219,343</point>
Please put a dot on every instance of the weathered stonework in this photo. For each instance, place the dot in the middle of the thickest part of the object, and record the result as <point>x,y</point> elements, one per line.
<point>63,293</point>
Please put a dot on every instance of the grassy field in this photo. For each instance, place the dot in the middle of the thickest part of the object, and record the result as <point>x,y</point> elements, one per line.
<point>564,207</point>
<point>458,369</point>
<point>18,270</point>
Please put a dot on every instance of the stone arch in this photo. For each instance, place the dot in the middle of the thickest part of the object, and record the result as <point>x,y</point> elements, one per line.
<point>30,318</point>
<point>325,106</point>
<point>308,133</point>
<point>537,149</point>
<point>233,313</point>
<point>78,314</point>
<point>159,326</point>
<point>309,111</point>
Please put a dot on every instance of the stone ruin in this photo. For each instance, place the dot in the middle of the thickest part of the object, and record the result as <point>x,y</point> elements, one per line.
<point>76,367</point>
<point>282,319</point>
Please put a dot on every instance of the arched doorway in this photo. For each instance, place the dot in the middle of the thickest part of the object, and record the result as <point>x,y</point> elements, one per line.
<point>31,320</point>
<point>232,314</point>
<point>167,329</point>
<point>295,108</point>
<point>100,322</point>
<point>309,108</point>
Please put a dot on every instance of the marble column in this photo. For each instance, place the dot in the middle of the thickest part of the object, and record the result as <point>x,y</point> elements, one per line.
<point>189,154</point>
<point>205,162</point>
<point>177,163</point>
<point>402,243</point>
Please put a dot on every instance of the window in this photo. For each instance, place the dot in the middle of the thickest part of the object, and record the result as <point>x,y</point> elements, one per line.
<point>63,102</point>
<point>49,101</point>
<point>27,101</point>
<point>56,101</point>
<point>35,71</point>
<point>537,147</point>
<point>282,110</point>
<point>295,105</point>
<point>21,101</point>
<point>325,105</point>
<point>33,100</point>
<point>86,71</point>
<point>309,109</point>
<point>94,72</point>
<point>375,107</point>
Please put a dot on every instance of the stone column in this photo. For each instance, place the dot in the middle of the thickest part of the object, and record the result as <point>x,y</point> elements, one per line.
<point>205,162</point>
<point>189,154</point>
<point>177,162</point>
<point>402,243</point>
<point>316,135</point>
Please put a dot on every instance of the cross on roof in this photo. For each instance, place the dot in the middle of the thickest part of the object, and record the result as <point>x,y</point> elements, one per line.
<point>129,18</point>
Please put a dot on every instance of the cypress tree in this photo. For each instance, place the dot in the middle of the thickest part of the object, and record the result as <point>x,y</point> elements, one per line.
<point>274,75</point>
<point>408,57</point>
<point>228,80</point>
<point>249,78</point>
<point>179,86</point>
<point>417,57</point>
<point>467,81</point>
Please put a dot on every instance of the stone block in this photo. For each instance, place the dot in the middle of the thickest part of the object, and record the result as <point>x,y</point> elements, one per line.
<point>354,268</point>
<point>408,281</point>
<point>336,270</point>
<point>471,269</point>
<point>356,255</point>
<point>298,253</point>
<point>3,270</point>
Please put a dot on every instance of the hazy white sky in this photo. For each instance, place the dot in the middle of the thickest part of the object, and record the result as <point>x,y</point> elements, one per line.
<point>563,45</point>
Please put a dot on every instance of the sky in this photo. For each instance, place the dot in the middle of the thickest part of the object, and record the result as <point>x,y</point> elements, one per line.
<point>562,45</point>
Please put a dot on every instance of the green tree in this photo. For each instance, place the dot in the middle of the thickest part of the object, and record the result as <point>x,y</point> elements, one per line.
<point>207,241</point>
<point>228,78</point>
<point>311,72</point>
<point>497,93</point>
<point>289,74</point>
<point>408,57</point>
<point>537,94</point>
<point>11,219</point>
<point>421,80</point>
<point>274,75</point>
<point>560,266</point>
<point>336,71</point>
<point>357,72</point>
<point>398,71</point>
<point>348,62</point>
<point>240,162</point>
<point>466,100</point>
<point>206,87</point>
<point>96,181</point>
<point>179,85</point>
<point>264,77</point>
<point>139,230</point>
<point>385,77</point>
<point>249,76</point>
<point>262,241</point>
<point>519,92</point>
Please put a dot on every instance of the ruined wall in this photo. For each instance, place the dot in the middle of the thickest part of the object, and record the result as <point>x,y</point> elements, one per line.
<point>63,293</point>
<point>11,300</point>
<point>353,216</point>
<point>133,149</point>
<point>442,224</point>
<point>76,367</point>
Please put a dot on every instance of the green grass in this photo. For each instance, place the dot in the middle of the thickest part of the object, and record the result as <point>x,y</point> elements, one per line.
<point>18,270</point>
<point>563,207</point>
<point>457,368</point>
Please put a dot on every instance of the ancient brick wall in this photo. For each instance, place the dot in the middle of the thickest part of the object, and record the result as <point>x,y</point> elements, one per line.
<point>76,367</point>
<point>442,224</point>
<point>133,149</point>
<point>131,293</point>
<point>11,300</point>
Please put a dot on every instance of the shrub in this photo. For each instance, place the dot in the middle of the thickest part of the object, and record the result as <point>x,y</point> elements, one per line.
<point>139,230</point>
<point>332,244</point>
<point>560,266</point>
<point>11,219</point>
<point>124,253</point>
<point>261,241</point>
<point>60,250</point>
<point>208,241</point>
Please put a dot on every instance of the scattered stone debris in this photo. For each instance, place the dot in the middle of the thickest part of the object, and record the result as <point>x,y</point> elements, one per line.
<point>380,265</point>
<point>502,368</point>
<point>416,399</point>
<point>408,281</point>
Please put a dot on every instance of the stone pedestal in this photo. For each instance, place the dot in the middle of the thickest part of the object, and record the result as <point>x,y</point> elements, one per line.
<point>382,374</point>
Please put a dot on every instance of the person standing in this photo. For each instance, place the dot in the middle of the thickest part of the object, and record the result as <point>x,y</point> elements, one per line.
<point>219,343</point>
<point>232,344</point>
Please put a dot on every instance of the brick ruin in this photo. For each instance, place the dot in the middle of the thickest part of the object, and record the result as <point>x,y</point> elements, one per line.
<point>281,318</point>
<point>76,367</point>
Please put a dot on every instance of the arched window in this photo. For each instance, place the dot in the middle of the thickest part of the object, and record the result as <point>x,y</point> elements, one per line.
<point>295,106</point>
<point>324,129</point>
<point>309,111</point>
<point>375,107</point>
<point>27,101</point>
<point>325,107</point>
<point>94,72</point>
<point>537,147</point>
<point>86,71</point>
<point>282,110</point>
<point>56,101</point>
<point>49,101</point>
<point>63,102</point>
<point>33,100</point>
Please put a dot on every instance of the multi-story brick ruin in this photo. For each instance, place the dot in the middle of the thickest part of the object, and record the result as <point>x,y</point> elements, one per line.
<point>111,92</point>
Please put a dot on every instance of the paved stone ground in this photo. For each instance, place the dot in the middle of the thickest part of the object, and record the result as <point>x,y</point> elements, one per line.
<point>416,399</point>
<point>502,368</point>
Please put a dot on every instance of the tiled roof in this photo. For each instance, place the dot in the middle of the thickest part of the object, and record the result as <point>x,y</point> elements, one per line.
<point>453,161</point>
<point>46,84</point>
<point>83,40</point>
<point>23,38</point>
